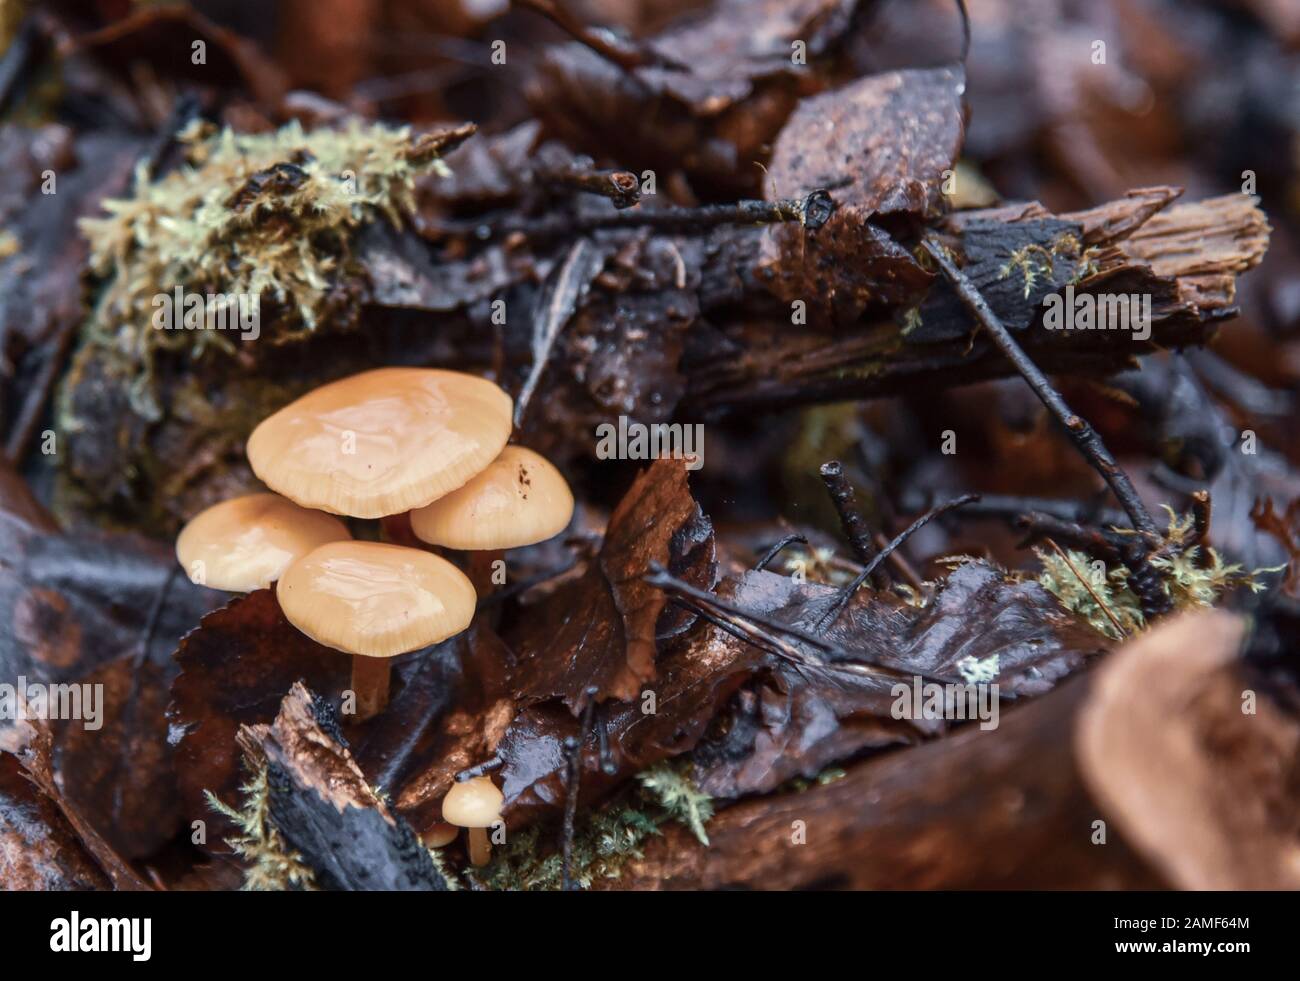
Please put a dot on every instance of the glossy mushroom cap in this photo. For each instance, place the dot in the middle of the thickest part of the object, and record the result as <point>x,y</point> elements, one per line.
<point>475,803</point>
<point>247,542</point>
<point>439,835</point>
<point>518,500</point>
<point>382,442</point>
<point>375,600</point>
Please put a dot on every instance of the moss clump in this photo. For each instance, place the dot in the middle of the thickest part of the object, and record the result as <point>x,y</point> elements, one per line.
<point>1188,581</point>
<point>680,799</point>
<point>265,215</point>
<point>604,840</point>
<point>270,865</point>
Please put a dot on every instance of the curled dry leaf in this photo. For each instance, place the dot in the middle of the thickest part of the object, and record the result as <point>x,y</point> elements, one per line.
<point>881,146</point>
<point>793,721</point>
<point>599,631</point>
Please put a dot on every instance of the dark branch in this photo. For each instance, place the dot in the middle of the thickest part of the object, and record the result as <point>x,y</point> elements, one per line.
<point>1084,436</point>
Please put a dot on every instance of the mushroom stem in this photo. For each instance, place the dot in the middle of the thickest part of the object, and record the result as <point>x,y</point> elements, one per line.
<point>479,569</point>
<point>480,848</point>
<point>370,678</point>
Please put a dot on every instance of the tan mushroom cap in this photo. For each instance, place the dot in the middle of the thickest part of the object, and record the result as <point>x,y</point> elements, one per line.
<point>521,498</point>
<point>382,442</point>
<point>375,600</point>
<point>475,803</point>
<point>247,542</point>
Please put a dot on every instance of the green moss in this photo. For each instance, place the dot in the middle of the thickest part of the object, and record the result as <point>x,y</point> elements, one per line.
<point>271,215</point>
<point>1188,581</point>
<point>680,799</point>
<point>269,863</point>
<point>604,839</point>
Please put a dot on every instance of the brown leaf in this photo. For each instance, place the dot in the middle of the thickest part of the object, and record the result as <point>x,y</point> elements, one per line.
<point>123,773</point>
<point>795,722</point>
<point>79,600</point>
<point>36,757</point>
<point>880,146</point>
<point>235,667</point>
<point>599,631</point>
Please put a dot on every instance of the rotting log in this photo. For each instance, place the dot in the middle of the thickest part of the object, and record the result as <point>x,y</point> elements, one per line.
<point>1187,258</point>
<point>1015,807</point>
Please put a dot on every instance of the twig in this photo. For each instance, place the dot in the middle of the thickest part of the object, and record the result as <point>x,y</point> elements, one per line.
<point>847,592</point>
<point>480,769</point>
<point>560,301</point>
<point>18,60</point>
<point>626,54</point>
<point>855,527</point>
<point>1095,541</point>
<point>965,30</point>
<point>1088,586</point>
<point>776,550</point>
<point>184,110</point>
<point>573,773</point>
<point>1084,436</point>
<point>1201,514</point>
<point>621,187</point>
<point>811,211</point>
<point>1015,505</point>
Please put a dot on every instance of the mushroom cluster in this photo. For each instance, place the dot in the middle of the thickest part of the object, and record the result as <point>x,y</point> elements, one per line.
<point>381,443</point>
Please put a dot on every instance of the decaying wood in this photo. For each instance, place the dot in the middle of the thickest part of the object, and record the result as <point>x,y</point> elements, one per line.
<point>321,803</point>
<point>767,366</point>
<point>1014,808</point>
<point>1204,787</point>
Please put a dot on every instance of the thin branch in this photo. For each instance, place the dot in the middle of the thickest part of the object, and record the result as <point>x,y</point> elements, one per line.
<point>480,769</point>
<point>561,297</point>
<point>1084,436</point>
<point>776,550</point>
<point>811,211</point>
<point>573,774</point>
<point>621,187</point>
<point>626,54</point>
<point>847,592</point>
<point>855,527</point>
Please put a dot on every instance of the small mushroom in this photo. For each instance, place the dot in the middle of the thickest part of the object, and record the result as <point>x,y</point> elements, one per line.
<point>474,804</point>
<point>519,499</point>
<point>246,543</point>
<point>375,601</point>
<point>382,442</point>
<point>440,835</point>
